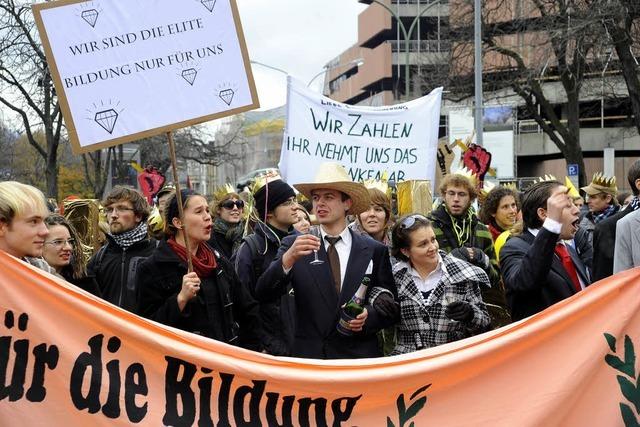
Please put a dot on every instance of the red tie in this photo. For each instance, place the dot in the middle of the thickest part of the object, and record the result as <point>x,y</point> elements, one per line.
<point>567,263</point>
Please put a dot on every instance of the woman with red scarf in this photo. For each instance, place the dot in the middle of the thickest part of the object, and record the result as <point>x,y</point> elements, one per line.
<point>208,301</point>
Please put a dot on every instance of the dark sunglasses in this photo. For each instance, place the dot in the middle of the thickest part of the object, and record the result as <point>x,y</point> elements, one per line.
<point>409,221</point>
<point>229,204</point>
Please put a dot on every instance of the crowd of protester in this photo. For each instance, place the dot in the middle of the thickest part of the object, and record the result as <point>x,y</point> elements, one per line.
<point>271,271</point>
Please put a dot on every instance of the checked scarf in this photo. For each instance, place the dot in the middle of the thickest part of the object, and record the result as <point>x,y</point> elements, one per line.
<point>128,238</point>
<point>605,214</point>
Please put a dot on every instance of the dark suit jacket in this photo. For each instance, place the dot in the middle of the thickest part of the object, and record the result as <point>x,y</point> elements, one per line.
<point>533,274</point>
<point>604,243</point>
<point>318,304</point>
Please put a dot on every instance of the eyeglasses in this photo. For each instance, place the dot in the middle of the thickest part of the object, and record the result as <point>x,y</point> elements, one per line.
<point>229,204</point>
<point>118,209</point>
<point>59,243</point>
<point>411,219</point>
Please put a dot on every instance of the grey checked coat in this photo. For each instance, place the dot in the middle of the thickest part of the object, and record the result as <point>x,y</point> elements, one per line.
<point>423,323</point>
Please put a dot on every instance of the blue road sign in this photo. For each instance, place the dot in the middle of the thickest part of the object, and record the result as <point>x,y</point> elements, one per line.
<point>573,170</point>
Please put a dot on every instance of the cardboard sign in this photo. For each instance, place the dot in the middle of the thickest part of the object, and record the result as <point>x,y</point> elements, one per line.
<point>125,70</point>
<point>400,140</point>
<point>68,358</point>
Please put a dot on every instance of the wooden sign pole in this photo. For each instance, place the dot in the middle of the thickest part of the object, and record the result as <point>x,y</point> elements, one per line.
<point>172,153</point>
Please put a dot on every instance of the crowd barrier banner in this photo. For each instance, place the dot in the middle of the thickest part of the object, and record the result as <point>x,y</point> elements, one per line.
<point>400,140</point>
<point>125,70</point>
<point>70,359</point>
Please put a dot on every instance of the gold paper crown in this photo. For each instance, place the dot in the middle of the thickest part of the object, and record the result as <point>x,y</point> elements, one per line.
<point>262,180</point>
<point>486,189</point>
<point>510,186</point>
<point>545,179</point>
<point>220,192</point>
<point>380,184</point>
<point>468,173</point>
<point>605,181</point>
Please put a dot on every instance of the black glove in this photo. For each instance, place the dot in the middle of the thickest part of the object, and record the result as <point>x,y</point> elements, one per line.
<point>461,253</point>
<point>386,306</point>
<point>459,310</point>
<point>475,256</point>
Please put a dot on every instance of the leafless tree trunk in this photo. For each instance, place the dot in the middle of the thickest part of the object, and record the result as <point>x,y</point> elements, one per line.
<point>26,87</point>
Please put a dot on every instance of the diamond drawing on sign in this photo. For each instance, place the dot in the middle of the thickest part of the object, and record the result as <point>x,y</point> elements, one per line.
<point>90,16</point>
<point>189,75</point>
<point>209,4</point>
<point>226,95</point>
<point>107,119</point>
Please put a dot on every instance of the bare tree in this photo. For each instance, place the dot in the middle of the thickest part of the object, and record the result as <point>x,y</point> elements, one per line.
<point>26,87</point>
<point>621,21</point>
<point>543,51</point>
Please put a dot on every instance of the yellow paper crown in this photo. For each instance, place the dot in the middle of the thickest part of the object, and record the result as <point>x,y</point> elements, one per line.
<point>486,189</point>
<point>573,192</point>
<point>222,191</point>
<point>468,173</point>
<point>545,179</point>
<point>262,180</point>
<point>510,186</point>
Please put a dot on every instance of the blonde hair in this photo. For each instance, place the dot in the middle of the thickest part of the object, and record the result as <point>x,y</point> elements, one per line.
<point>16,198</point>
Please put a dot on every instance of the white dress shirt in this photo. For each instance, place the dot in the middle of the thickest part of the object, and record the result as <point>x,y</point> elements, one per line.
<point>428,283</point>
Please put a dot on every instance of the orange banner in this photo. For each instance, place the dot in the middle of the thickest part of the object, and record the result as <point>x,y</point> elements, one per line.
<point>68,358</point>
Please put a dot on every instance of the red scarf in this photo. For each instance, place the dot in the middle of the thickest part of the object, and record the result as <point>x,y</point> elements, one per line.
<point>203,263</point>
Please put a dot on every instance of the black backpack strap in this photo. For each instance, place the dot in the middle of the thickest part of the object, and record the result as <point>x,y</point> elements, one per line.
<point>257,257</point>
<point>99,257</point>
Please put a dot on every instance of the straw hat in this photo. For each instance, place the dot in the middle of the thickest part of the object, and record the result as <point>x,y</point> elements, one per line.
<point>333,176</point>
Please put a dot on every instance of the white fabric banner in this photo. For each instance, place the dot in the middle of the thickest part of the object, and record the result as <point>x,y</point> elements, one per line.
<point>400,139</point>
<point>124,69</point>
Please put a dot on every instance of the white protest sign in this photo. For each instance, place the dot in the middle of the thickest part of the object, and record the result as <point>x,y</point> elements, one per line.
<point>124,70</point>
<point>400,139</point>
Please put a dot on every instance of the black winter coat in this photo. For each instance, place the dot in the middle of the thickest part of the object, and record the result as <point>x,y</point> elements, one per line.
<point>223,310</point>
<point>534,276</point>
<point>115,270</point>
<point>277,316</point>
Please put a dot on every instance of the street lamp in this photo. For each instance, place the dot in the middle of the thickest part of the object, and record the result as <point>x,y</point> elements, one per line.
<point>358,62</point>
<point>271,67</point>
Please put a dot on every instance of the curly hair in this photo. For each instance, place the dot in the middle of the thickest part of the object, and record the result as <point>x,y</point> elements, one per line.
<point>455,180</point>
<point>492,203</point>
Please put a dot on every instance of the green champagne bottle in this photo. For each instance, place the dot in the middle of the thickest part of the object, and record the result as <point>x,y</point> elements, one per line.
<point>353,308</point>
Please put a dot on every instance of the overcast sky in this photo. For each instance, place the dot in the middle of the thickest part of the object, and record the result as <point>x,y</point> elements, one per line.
<point>298,36</point>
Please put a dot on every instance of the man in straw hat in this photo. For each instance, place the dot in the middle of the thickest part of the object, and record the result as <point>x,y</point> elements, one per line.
<point>602,201</point>
<point>320,290</point>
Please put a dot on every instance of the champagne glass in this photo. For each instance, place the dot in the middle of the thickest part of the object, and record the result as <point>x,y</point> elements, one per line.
<point>449,299</point>
<point>316,232</point>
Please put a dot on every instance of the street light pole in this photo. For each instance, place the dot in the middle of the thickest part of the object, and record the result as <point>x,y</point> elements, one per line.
<point>358,62</point>
<point>407,36</point>
<point>477,48</point>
